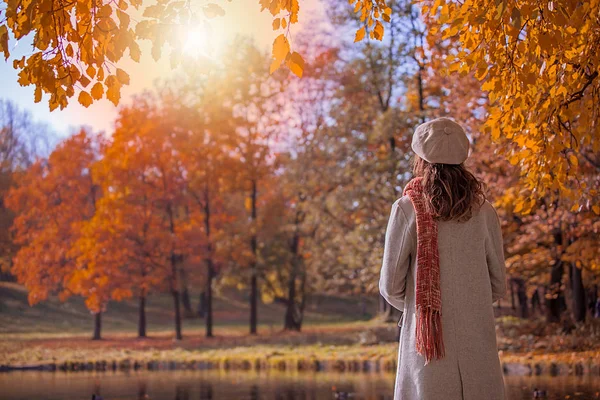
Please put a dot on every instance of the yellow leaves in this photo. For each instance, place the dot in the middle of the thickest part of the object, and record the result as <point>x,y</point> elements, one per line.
<point>213,10</point>
<point>378,31</point>
<point>97,91</point>
<point>531,81</point>
<point>387,14</point>
<point>122,76</point>
<point>135,52</point>
<point>4,41</point>
<point>69,52</point>
<point>90,71</point>
<point>596,209</point>
<point>296,64</point>
<point>85,99</point>
<point>276,24</point>
<point>105,11</point>
<point>113,93</point>
<point>573,160</point>
<point>281,49</point>
<point>37,97</point>
<point>153,11</point>
<point>360,34</point>
<point>124,19</point>
<point>294,10</point>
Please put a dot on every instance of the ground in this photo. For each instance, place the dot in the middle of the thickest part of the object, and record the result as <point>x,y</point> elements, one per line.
<point>339,331</point>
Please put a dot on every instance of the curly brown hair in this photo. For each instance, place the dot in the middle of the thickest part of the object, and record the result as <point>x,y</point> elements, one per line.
<point>451,191</point>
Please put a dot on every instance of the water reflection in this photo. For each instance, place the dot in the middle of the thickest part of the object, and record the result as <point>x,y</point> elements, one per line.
<point>204,385</point>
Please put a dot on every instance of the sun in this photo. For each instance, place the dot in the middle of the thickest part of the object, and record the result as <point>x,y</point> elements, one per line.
<point>197,42</point>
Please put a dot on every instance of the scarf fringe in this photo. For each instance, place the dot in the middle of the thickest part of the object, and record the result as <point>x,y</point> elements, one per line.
<point>430,343</point>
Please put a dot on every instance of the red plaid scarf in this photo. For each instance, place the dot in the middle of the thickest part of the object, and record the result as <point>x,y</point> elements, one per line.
<point>430,339</point>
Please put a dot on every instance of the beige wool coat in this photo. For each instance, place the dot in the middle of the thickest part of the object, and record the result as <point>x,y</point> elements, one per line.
<point>473,276</point>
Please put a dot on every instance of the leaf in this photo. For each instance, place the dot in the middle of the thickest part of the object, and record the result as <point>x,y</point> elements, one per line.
<point>296,64</point>
<point>281,48</point>
<point>85,99</point>
<point>38,94</point>
<point>122,76</point>
<point>90,71</point>
<point>4,41</point>
<point>97,91</point>
<point>276,23</point>
<point>378,31</point>
<point>294,11</point>
<point>360,34</point>
<point>213,10</point>
<point>134,52</point>
<point>573,160</point>
<point>153,11</point>
<point>518,206</point>
<point>596,209</point>
<point>114,92</point>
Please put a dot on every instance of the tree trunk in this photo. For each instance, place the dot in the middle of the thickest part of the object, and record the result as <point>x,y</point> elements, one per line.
<point>210,270</point>
<point>535,301</point>
<point>177,308</point>
<point>554,293</point>
<point>176,297</point>
<point>97,326</point>
<point>142,316</point>
<point>513,303</point>
<point>202,305</point>
<point>578,292</point>
<point>290,320</point>
<point>253,302</point>
<point>209,298</point>
<point>174,280</point>
<point>522,297</point>
<point>420,88</point>
<point>253,280</point>
<point>185,295</point>
<point>290,311</point>
<point>301,307</point>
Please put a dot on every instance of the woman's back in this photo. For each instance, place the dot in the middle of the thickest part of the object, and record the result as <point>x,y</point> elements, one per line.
<point>471,277</point>
<point>461,261</point>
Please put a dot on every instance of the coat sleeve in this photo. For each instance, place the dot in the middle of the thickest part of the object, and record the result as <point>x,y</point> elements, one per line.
<point>495,258</point>
<point>396,258</point>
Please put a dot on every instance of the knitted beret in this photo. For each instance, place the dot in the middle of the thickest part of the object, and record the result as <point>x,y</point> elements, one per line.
<point>441,141</point>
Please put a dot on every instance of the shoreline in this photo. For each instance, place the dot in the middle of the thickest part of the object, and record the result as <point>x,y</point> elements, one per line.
<point>351,359</point>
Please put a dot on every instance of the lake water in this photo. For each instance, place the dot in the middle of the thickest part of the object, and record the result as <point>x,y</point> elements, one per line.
<point>214,385</point>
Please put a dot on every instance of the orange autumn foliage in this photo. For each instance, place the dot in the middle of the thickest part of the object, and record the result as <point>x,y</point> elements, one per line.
<point>53,198</point>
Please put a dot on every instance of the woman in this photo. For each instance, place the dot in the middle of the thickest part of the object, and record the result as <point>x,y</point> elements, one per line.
<point>443,266</point>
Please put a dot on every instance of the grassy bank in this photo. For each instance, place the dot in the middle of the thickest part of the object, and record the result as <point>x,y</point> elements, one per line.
<point>53,318</point>
<point>331,358</point>
<point>339,335</point>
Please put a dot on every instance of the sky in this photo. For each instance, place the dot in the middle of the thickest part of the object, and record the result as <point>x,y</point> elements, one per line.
<point>242,17</point>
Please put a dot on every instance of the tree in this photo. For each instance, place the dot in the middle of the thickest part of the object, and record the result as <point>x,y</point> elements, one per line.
<point>53,198</point>
<point>204,112</point>
<point>256,124</point>
<point>542,80</point>
<point>77,44</point>
<point>22,140</point>
<point>146,169</point>
<point>124,235</point>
